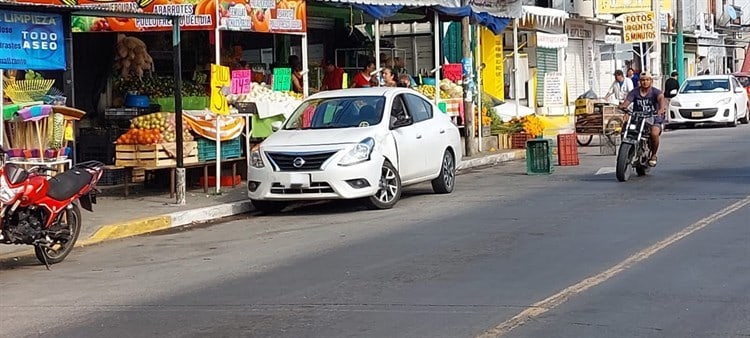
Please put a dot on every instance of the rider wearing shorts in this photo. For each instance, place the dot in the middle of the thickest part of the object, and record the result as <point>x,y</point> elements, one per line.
<point>646,98</point>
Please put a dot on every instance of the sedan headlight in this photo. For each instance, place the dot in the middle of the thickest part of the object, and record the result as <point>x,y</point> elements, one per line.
<point>8,194</point>
<point>256,159</point>
<point>725,100</point>
<point>675,103</point>
<point>360,153</point>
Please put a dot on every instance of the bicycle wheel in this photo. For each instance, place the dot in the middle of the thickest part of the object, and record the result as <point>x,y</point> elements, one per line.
<point>584,140</point>
<point>612,130</point>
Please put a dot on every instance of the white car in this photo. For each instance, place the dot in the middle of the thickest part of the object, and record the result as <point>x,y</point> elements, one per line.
<point>709,99</point>
<point>355,143</point>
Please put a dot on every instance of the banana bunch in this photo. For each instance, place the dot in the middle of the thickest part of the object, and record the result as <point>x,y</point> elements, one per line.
<point>429,91</point>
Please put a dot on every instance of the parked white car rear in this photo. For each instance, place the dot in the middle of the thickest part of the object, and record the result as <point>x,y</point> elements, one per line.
<point>709,99</point>
<point>355,143</point>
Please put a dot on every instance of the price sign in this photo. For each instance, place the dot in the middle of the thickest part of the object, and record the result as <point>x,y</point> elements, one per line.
<point>241,80</point>
<point>219,79</point>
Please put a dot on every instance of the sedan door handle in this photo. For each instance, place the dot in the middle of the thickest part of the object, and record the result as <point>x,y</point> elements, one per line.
<point>442,131</point>
<point>419,137</point>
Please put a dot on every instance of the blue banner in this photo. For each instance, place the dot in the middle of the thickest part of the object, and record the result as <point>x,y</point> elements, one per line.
<point>31,41</point>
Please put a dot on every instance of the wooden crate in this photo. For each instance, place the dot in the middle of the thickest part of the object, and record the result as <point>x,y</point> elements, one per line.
<point>154,155</point>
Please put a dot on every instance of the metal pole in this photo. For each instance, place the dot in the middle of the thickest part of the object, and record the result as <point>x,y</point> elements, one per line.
<point>305,65</point>
<point>217,39</point>
<point>516,61</point>
<point>177,60</point>
<point>468,101</point>
<point>377,44</point>
<point>479,60</point>
<point>680,44</point>
<point>436,75</point>
<point>656,67</point>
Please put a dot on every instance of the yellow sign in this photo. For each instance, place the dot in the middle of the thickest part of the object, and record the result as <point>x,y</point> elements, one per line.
<point>622,6</point>
<point>220,79</point>
<point>69,131</point>
<point>639,27</point>
<point>493,75</point>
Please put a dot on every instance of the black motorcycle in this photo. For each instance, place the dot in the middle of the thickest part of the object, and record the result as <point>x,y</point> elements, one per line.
<point>634,150</point>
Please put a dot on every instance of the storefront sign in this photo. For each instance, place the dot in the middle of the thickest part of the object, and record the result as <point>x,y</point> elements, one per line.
<point>241,80</point>
<point>219,80</point>
<point>578,30</point>
<point>271,16</point>
<point>554,89</point>
<point>631,6</point>
<point>31,41</point>
<point>551,41</point>
<point>612,39</point>
<point>639,27</point>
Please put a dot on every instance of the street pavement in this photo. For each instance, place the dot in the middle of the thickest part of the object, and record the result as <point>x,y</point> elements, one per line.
<point>572,254</point>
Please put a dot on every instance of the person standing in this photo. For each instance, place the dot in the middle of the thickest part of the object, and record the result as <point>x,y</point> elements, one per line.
<point>671,84</point>
<point>620,87</point>
<point>333,78</point>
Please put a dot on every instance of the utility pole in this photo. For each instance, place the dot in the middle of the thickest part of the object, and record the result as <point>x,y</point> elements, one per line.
<point>468,96</point>
<point>680,44</point>
<point>656,66</point>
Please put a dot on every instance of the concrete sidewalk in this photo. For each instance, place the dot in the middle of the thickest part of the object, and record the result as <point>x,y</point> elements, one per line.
<point>117,217</point>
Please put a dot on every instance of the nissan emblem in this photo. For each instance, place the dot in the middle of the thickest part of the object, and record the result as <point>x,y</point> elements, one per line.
<point>298,162</point>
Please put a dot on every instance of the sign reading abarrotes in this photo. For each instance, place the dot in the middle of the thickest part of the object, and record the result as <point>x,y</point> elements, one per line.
<point>31,41</point>
<point>639,27</point>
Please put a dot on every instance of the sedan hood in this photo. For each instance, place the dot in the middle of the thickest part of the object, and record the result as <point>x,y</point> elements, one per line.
<point>702,99</point>
<point>318,137</point>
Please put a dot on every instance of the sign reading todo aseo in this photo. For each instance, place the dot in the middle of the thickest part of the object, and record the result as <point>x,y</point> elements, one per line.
<point>31,41</point>
<point>639,27</point>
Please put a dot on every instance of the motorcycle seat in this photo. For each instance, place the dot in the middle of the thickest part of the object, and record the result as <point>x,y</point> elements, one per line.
<point>67,184</point>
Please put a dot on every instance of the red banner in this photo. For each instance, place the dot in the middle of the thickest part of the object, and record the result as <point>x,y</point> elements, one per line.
<point>268,16</point>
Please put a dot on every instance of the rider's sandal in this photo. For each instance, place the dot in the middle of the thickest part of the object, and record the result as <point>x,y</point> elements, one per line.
<point>652,162</point>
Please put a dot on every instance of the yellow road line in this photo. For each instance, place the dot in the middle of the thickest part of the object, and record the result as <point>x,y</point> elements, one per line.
<point>539,308</point>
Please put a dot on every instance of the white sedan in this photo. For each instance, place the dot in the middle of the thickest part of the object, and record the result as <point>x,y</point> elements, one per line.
<point>709,99</point>
<point>355,143</point>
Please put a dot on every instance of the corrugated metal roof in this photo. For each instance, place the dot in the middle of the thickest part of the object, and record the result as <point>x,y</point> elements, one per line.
<point>104,9</point>
<point>408,3</point>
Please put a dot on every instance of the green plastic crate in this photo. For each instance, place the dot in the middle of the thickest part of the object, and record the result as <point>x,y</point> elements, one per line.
<point>188,103</point>
<point>229,149</point>
<point>539,157</point>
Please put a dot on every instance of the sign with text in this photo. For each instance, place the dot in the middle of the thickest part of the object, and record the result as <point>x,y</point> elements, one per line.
<point>241,80</point>
<point>639,27</point>
<point>552,41</point>
<point>622,6</point>
<point>269,16</point>
<point>31,40</point>
<point>554,89</point>
<point>219,80</point>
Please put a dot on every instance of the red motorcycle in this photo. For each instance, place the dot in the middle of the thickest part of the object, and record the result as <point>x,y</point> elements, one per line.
<point>42,210</point>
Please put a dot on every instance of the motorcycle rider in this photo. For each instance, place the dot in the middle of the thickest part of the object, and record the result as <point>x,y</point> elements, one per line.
<point>646,98</point>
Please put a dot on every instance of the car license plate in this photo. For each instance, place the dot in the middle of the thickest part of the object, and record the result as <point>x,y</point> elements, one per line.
<point>299,180</point>
<point>697,114</point>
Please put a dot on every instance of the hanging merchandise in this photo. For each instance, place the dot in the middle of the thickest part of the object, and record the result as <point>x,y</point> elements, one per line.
<point>205,125</point>
<point>132,59</point>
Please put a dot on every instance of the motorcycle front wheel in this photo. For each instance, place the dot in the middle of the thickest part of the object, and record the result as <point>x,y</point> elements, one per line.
<point>624,160</point>
<point>60,248</point>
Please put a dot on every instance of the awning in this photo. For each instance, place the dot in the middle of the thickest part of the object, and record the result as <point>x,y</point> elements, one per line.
<point>407,3</point>
<point>544,16</point>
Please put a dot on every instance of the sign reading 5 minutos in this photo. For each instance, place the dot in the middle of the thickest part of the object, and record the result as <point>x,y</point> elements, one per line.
<point>220,79</point>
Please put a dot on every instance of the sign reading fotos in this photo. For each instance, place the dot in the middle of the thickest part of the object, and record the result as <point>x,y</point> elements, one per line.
<point>639,27</point>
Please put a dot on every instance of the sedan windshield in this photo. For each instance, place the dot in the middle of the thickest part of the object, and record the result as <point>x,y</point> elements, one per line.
<point>337,112</point>
<point>705,85</point>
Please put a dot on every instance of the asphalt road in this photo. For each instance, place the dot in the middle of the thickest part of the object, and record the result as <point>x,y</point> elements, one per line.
<point>573,254</point>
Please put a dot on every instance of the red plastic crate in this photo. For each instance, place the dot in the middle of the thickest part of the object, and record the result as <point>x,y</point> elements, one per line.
<point>226,181</point>
<point>567,150</point>
<point>518,140</point>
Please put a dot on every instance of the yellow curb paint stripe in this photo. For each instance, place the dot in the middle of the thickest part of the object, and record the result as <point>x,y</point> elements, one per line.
<point>541,307</point>
<point>128,229</point>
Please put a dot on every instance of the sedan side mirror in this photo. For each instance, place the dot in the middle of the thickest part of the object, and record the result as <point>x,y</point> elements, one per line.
<point>276,126</point>
<point>401,121</point>
<point>673,92</point>
<point>739,90</point>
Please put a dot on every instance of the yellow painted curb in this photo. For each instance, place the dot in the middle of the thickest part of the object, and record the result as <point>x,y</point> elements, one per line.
<point>128,229</point>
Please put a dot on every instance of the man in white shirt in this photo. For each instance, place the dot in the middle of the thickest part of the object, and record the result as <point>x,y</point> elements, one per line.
<point>620,87</point>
